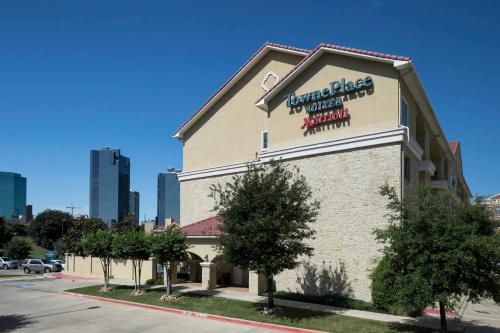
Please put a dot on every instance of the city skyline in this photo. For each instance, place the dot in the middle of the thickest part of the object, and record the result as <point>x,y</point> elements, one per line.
<point>124,76</point>
<point>109,185</point>
<point>168,197</point>
<point>12,195</point>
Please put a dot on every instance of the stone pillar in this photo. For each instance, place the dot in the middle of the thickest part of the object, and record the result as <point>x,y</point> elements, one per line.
<point>256,283</point>
<point>208,275</point>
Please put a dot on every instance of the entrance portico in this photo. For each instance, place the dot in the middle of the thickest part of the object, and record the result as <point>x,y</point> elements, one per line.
<point>207,266</point>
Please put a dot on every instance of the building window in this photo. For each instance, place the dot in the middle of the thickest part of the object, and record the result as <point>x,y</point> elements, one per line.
<point>405,111</point>
<point>264,141</point>
<point>497,210</point>
<point>407,169</point>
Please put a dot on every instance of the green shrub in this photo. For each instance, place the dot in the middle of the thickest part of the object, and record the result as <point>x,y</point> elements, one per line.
<point>155,281</point>
<point>158,281</point>
<point>388,291</point>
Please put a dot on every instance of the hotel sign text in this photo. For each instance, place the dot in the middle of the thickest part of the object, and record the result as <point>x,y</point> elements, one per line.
<point>327,99</point>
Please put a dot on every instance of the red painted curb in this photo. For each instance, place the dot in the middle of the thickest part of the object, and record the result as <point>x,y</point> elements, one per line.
<point>275,327</point>
<point>69,277</point>
<point>432,311</point>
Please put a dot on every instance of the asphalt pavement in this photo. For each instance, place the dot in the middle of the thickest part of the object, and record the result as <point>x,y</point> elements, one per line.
<point>33,304</point>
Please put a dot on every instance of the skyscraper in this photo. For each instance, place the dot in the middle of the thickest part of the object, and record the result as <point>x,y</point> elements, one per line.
<point>133,206</point>
<point>109,184</point>
<point>12,195</point>
<point>168,197</point>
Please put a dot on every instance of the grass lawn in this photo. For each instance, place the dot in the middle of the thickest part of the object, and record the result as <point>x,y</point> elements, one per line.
<point>10,276</point>
<point>37,252</point>
<point>246,310</point>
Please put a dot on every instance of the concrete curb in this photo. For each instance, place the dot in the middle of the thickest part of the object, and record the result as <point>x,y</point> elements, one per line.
<point>186,313</point>
<point>66,276</point>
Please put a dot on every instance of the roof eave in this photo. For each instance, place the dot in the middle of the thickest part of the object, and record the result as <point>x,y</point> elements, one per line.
<point>410,76</point>
<point>262,103</point>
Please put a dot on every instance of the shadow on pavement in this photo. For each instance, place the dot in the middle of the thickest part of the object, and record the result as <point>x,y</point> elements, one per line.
<point>473,327</point>
<point>64,312</point>
<point>9,323</point>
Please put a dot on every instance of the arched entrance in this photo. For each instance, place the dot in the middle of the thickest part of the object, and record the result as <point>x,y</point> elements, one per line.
<point>190,269</point>
<point>228,275</point>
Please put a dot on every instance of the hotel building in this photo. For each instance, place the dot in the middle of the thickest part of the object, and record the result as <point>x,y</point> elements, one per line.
<point>351,120</point>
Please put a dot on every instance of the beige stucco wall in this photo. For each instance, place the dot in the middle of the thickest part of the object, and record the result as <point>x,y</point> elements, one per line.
<point>230,131</point>
<point>120,269</point>
<point>370,111</point>
<point>347,185</point>
<point>203,247</point>
<point>414,109</point>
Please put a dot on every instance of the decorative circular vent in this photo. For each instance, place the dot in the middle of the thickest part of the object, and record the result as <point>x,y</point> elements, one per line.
<point>270,79</point>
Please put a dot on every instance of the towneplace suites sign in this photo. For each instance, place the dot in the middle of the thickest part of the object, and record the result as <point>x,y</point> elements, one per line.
<point>327,99</point>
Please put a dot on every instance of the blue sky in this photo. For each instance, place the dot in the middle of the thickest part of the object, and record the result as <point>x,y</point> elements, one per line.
<point>81,75</point>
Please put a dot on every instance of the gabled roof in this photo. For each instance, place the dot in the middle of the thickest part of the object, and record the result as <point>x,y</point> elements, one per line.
<point>256,57</point>
<point>331,48</point>
<point>206,227</point>
<point>454,146</point>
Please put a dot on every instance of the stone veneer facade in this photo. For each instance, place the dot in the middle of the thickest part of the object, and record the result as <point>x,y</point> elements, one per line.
<point>347,185</point>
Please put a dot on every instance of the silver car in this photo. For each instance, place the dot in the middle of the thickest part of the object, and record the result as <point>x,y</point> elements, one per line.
<point>40,266</point>
<point>6,263</point>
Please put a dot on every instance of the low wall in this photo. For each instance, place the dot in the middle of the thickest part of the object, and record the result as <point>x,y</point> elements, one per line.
<point>120,268</point>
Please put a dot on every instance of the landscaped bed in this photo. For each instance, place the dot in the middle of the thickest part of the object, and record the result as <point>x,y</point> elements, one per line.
<point>332,300</point>
<point>250,311</point>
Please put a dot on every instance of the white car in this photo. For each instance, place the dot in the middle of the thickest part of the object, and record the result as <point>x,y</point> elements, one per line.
<point>6,263</point>
<point>60,262</point>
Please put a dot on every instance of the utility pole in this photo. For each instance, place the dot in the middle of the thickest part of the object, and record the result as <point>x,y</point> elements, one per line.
<point>73,208</point>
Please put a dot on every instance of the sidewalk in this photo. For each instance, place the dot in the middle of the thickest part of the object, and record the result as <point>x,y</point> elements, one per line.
<point>422,321</point>
<point>426,320</point>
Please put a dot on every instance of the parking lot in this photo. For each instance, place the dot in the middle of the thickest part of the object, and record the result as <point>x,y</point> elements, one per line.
<point>33,304</point>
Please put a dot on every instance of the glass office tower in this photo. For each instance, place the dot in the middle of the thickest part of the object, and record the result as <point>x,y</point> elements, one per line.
<point>133,206</point>
<point>109,185</point>
<point>169,202</point>
<point>12,195</point>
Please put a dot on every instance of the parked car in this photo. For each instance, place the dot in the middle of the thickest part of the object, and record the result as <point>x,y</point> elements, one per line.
<point>6,263</point>
<point>40,266</point>
<point>61,262</point>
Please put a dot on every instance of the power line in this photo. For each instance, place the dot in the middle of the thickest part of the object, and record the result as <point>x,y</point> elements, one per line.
<point>73,208</point>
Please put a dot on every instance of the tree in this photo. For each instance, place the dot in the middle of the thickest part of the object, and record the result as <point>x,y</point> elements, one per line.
<point>266,215</point>
<point>17,229</point>
<point>18,248</point>
<point>169,247</point>
<point>5,233</point>
<point>437,249</point>
<point>49,226</point>
<point>60,248</point>
<point>127,223</point>
<point>100,244</point>
<point>82,226</point>
<point>135,246</point>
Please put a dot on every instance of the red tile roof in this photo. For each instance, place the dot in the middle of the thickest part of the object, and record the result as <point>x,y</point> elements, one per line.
<point>297,49</point>
<point>335,47</point>
<point>366,52</point>
<point>207,227</point>
<point>454,146</point>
